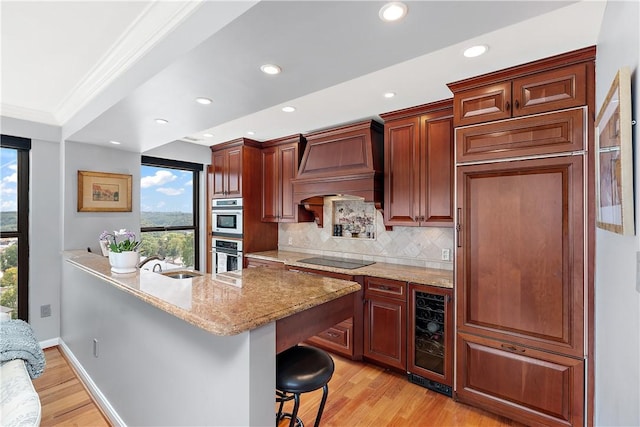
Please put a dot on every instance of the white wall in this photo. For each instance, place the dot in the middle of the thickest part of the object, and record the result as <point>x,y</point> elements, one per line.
<point>44,222</point>
<point>617,294</point>
<point>82,229</point>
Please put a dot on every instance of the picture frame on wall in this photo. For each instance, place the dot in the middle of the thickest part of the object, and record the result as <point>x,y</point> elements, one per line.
<point>104,192</point>
<point>614,159</point>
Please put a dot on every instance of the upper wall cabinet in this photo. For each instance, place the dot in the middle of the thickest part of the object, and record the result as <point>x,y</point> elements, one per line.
<point>280,161</point>
<point>418,156</point>
<point>519,91</point>
<point>227,172</point>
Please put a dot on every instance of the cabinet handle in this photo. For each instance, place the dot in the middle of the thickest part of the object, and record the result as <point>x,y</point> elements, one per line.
<point>517,104</point>
<point>384,288</point>
<point>458,227</point>
<point>507,106</point>
<point>512,348</point>
<point>333,334</point>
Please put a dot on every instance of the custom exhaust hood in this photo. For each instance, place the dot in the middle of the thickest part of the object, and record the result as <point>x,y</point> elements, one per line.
<point>345,161</point>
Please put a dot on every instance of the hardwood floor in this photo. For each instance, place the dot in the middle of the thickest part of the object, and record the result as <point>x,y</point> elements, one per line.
<point>360,394</point>
<point>63,398</point>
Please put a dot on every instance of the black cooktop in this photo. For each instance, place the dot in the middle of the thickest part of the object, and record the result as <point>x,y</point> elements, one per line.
<point>347,264</point>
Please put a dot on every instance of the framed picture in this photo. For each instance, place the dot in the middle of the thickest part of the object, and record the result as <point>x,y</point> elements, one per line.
<point>103,192</point>
<point>614,158</point>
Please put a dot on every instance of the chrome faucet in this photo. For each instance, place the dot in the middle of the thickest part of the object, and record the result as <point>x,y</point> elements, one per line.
<point>151,258</point>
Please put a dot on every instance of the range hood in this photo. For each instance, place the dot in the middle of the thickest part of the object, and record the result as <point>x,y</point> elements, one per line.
<point>347,161</point>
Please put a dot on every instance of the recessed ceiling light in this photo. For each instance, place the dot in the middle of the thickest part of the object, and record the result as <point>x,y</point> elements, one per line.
<point>288,109</point>
<point>474,51</point>
<point>251,132</point>
<point>389,94</point>
<point>271,69</point>
<point>203,101</point>
<point>393,11</point>
<point>162,121</point>
<point>207,135</point>
<point>115,142</point>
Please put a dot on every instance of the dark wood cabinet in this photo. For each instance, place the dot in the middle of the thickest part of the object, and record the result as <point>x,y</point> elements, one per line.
<point>542,388</point>
<point>430,337</point>
<point>385,322</point>
<point>227,173</point>
<point>523,285</point>
<point>539,92</point>
<point>346,337</point>
<point>280,161</point>
<point>418,155</point>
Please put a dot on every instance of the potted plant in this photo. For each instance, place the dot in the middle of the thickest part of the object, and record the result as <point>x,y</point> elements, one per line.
<point>123,250</point>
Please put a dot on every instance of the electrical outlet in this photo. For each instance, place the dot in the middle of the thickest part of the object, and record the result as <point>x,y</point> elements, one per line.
<point>290,240</point>
<point>45,310</point>
<point>446,255</point>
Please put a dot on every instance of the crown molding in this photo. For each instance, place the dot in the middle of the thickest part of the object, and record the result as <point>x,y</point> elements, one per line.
<point>29,114</point>
<point>146,31</point>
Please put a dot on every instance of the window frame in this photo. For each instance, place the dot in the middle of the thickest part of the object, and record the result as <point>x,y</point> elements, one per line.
<point>23,147</point>
<point>195,168</point>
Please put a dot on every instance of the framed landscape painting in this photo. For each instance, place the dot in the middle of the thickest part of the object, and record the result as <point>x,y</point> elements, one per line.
<point>614,158</point>
<point>103,192</point>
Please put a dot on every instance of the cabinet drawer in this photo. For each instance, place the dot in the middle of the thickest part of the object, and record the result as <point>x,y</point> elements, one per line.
<point>337,339</point>
<point>524,384</point>
<point>544,134</point>
<point>388,288</point>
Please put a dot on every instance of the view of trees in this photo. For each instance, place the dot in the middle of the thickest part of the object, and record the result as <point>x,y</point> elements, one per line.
<point>176,247</point>
<point>9,280</point>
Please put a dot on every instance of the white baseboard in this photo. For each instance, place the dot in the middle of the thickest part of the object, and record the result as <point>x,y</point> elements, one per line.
<point>49,343</point>
<point>93,388</point>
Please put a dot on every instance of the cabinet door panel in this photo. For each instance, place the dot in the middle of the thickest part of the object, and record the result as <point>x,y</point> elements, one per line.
<point>544,134</point>
<point>234,175</point>
<point>385,332</point>
<point>288,171</point>
<point>552,90</point>
<point>519,276</point>
<point>270,185</point>
<point>438,158</point>
<point>524,384</point>
<point>218,163</point>
<point>482,104</point>
<point>401,157</point>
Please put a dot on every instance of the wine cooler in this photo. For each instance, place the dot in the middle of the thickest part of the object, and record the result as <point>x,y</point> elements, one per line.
<point>430,361</point>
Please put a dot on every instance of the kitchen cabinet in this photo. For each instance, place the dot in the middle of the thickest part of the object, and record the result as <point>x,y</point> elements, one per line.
<point>385,322</point>
<point>530,94</point>
<point>227,172</point>
<point>418,156</point>
<point>523,295</point>
<point>344,338</point>
<point>280,160</point>
<point>430,337</point>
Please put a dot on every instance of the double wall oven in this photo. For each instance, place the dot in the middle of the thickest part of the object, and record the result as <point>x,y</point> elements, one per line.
<point>226,230</point>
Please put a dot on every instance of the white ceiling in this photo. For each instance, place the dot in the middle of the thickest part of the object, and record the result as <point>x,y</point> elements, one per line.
<point>105,70</point>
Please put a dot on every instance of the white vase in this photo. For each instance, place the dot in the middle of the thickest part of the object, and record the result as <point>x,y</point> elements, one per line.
<point>124,262</point>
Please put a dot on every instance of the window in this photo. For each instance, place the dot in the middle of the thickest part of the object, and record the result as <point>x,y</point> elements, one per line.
<point>169,212</point>
<point>14,227</point>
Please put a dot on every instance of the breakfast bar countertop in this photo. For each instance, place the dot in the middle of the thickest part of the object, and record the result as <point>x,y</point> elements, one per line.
<point>223,304</point>
<point>408,273</point>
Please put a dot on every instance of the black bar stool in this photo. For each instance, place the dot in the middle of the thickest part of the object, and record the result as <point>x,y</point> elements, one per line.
<point>301,369</point>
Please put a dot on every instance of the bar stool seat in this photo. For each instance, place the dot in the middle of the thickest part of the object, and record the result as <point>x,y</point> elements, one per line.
<point>302,369</point>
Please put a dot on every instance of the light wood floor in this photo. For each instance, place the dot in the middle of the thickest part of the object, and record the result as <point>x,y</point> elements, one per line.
<point>359,395</point>
<point>64,400</point>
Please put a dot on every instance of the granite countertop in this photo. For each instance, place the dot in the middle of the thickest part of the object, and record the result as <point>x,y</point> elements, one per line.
<point>423,276</point>
<point>223,304</point>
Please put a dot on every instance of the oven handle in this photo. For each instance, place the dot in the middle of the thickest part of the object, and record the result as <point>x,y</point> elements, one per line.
<point>227,251</point>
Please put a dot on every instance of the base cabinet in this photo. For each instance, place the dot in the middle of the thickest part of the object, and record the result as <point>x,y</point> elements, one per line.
<point>527,385</point>
<point>385,322</point>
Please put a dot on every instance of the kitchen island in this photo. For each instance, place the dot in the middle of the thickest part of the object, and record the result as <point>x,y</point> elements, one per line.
<point>197,351</point>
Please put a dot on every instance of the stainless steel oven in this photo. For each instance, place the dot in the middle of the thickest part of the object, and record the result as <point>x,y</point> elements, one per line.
<point>226,217</point>
<point>227,255</point>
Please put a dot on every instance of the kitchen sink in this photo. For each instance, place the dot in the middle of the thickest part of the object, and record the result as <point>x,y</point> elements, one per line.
<point>181,274</point>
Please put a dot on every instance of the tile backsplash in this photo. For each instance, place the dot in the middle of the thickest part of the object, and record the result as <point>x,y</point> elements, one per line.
<point>416,246</point>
